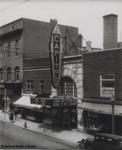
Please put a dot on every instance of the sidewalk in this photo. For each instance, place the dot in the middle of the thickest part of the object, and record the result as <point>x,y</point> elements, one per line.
<point>69,136</point>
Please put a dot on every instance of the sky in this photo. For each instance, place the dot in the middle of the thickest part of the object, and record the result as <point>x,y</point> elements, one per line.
<point>87,15</point>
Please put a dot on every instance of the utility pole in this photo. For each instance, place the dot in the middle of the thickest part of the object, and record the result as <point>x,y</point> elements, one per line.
<point>5,103</point>
<point>113,118</point>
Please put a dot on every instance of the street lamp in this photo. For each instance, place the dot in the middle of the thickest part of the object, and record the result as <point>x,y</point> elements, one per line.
<point>113,119</point>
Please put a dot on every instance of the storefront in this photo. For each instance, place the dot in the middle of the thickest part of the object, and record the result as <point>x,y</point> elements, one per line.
<point>102,101</point>
<point>26,109</point>
<point>98,117</point>
<point>59,111</point>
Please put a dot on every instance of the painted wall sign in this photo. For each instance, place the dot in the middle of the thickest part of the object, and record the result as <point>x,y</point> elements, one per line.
<point>56,49</point>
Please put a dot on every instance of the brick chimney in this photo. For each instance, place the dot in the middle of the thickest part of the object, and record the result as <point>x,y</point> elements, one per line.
<point>110,31</point>
<point>80,41</point>
<point>53,22</point>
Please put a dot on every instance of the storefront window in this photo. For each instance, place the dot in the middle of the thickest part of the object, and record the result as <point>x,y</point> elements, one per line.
<point>107,85</point>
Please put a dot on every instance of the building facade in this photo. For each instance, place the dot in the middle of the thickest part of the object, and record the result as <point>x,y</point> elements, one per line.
<point>25,61</point>
<point>102,83</point>
<point>25,40</point>
<point>102,90</point>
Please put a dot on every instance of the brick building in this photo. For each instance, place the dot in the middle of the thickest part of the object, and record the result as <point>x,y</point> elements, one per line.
<point>102,82</point>
<point>25,63</point>
<point>37,76</point>
<point>24,44</point>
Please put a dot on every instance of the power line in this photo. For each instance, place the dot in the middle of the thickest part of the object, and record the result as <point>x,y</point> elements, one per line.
<point>19,3</point>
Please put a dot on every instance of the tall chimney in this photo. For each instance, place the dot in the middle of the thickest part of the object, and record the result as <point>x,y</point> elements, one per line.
<point>110,31</point>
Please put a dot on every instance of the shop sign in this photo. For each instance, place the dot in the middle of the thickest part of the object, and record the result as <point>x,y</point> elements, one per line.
<point>107,92</point>
<point>56,49</point>
<point>57,101</point>
<point>64,102</point>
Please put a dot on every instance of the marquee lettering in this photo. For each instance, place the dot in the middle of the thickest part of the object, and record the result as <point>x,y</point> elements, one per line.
<point>56,56</point>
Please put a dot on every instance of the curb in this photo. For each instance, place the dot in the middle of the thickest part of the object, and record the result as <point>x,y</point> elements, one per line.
<point>52,138</point>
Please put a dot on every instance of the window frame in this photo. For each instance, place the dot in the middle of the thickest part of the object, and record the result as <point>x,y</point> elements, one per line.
<point>17,73</point>
<point>103,88</point>
<point>8,74</point>
<point>41,85</point>
<point>8,48</point>
<point>1,74</point>
<point>16,47</point>
<point>29,85</point>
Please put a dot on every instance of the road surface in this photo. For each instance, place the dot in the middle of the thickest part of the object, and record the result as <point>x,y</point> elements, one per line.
<point>14,137</point>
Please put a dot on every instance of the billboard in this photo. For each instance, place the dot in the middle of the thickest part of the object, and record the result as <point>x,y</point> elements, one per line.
<point>56,49</point>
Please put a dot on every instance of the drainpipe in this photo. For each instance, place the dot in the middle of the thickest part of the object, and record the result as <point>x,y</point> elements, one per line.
<point>113,117</point>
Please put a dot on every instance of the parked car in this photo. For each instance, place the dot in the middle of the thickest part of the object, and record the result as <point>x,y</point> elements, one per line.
<point>102,141</point>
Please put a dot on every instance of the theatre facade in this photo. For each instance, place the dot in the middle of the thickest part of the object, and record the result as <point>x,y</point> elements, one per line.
<point>25,57</point>
<point>61,74</point>
<point>42,58</point>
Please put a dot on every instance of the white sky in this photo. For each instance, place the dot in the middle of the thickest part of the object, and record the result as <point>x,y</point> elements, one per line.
<point>87,15</point>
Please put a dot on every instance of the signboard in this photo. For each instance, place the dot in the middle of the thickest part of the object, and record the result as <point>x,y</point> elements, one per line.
<point>107,91</point>
<point>62,110</point>
<point>107,85</point>
<point>57,101</point>
<point>64,101</point>
<point>56,49</point>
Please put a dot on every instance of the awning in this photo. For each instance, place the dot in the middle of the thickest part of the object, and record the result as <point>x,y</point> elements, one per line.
<point>24,102</point>
<point>101,108</point>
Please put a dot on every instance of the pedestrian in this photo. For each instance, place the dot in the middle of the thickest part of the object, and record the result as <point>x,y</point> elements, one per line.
<point>15,114</point>
<point>11,116</point>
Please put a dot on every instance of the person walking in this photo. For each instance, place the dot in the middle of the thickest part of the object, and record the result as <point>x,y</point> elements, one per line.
<point>15,114</point>
<point>11,117</point>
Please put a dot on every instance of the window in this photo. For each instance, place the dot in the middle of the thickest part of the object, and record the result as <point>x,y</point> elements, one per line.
<point>9,74</point>
<point>41,85</point>
<point>67,87</point>
<point>107,85</point>
<point>8,49</point>
<point>17,74</point>
<point>29,85</point>
<point>1,74</point>
<point>16,47</point>
<point>1,50</point>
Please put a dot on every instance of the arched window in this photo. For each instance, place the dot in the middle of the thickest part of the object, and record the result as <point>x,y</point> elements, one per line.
<point>17,73</point>
<point>67,87</point>
<point>9,74</point>
<point>1,74</point>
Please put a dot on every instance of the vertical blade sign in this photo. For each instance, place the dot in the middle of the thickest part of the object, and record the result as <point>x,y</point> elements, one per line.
<point>56,56</point>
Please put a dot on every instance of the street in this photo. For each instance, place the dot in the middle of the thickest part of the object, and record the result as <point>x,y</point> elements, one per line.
<point>15,137</point>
